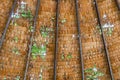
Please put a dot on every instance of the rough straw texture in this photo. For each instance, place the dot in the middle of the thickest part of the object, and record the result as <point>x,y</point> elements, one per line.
<point>46,12</point>
<point>12,65</point>
<point>5,7</point>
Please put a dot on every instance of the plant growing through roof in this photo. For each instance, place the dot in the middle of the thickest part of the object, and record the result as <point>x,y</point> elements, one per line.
<point>15,50</point>
<point>16,15</point>
<point>14,23</point>
<point>27,14</point>
<point>15,39</point>
<point>23,5</point>
<point>17,78</point>
<point>31,28</point>
<point>69,56</point>
<point>4,78</point>
<point>107,27</point>
<point>99,30</point>
<point>22,11</point>
<point>41,50</point>
<point>62,56</point>
<point>63,21</point>
<point>38,51</point>
<point>45,31</point>
<point>93,73</point>
<point>110,31</point>
<point>104,16</point>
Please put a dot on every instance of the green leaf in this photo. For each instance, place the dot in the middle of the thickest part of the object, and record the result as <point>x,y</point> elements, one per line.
<point>44,34</point>
<point>15,50</point>
<point>42,56</point>
<point>63,21</point>
<point>27,14</point>
<point>17,78</point>
<point>98,27</point>
<point>99,74</point>
<point>4,78</point>
<point>23,7</point>
<point>93,74</point>
<point>110,30</point>
<point>69,56</point>
<point>17,16</point>
<point>89,77</point>
<point>34,56</point>
<point>40,78</point>
<point>15,24</point>
<point>89,70</point>
<point>31,28</point>
<point>43,31</point>
<point>24,15</point>
<point>100,32</point>
<point>16,39</point>
<point>63,56</point>
<point>35,49</point>
<point>41,51</point>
